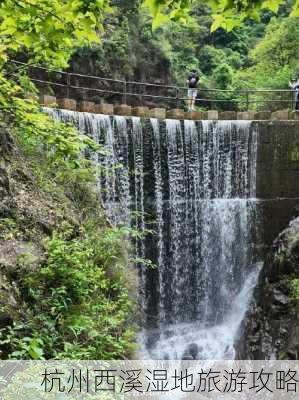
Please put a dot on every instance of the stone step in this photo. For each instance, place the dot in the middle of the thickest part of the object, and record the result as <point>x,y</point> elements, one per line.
<point>228,115</point>
<point>87,106</point>
<point>159,113</point>
<point>246,115</point>
<point>212,114</point>
<point>104,108</point>
<point>140,111</point>
<point>281,115</point>
<point>123,109</point>
<point>194,115</point>
<point>175,113</point>
<point>262,115</point>
<point>48,100</point>
<point>67,104</point>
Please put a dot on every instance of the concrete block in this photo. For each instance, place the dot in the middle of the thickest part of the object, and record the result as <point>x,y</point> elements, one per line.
<point>48,100</point>
<point>228,115</point>
<point>212,114</point>
<point>68,104</point>
<point>263,115</point>
<point>246,115</point>
<point>159,113</point>
<point>87,106</point>
<point>32,96</point>
<point>123,109</point>
<point>175,113</point>
<point>194,115</point>
<point>140,111</point>
<point>281,115</point>
<point>294,115</point>
<point>104,108</point>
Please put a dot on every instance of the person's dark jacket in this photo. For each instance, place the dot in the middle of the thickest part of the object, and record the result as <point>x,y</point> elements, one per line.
<point>193,80</point>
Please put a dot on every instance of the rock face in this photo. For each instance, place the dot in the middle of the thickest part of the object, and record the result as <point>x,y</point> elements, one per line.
<point>271,327</point>
<point>27,216</point>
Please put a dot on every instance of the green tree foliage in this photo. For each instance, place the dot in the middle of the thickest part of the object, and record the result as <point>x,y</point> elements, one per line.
<point>192,45</point>
<point>222,76</point>
<point>59,145</point>
<point>274,61</point>
<point>227,14</point>
<point>129,49</point>
<point>280,45</point>
<point>49,30</point>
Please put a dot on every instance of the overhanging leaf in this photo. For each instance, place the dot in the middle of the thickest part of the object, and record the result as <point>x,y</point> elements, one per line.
<point>272,5</point>
<point>153,6</point>
<point>295,10</point>
<point>159,20</point>
<point>218,20</point>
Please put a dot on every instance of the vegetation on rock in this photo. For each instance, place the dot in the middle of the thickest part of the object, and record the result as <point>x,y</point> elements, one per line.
<point>67,268</point>
<point>271,325</point>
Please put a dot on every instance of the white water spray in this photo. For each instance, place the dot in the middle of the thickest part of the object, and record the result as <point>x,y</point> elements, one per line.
<point>196,181</point>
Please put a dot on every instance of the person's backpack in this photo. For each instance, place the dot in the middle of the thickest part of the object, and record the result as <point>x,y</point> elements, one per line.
<point>193,79</point>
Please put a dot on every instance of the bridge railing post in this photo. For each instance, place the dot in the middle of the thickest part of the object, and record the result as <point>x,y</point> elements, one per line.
<point>177,97</point>
<point>124,92</point>
<point>247,100</point>
<point>68,83</point>
<point>292,100</point>
<point>142,92</point>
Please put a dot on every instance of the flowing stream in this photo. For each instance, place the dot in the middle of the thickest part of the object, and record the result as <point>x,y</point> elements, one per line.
<point>192,184</point>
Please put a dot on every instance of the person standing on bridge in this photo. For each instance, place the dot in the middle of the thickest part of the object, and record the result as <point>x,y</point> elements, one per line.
<point>192,82</point>
<point>295,86</point>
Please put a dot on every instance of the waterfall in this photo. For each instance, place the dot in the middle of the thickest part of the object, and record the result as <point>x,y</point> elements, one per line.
<point>193,184</point>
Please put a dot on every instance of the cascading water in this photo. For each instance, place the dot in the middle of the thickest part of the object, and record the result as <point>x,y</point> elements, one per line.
<point>193,183</point>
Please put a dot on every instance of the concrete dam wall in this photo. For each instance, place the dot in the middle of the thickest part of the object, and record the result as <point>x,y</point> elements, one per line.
<point>214,195</point>
<point>277,175</point>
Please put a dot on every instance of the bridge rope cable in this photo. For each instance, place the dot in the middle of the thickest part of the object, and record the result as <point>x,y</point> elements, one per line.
<point>125,84</point>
